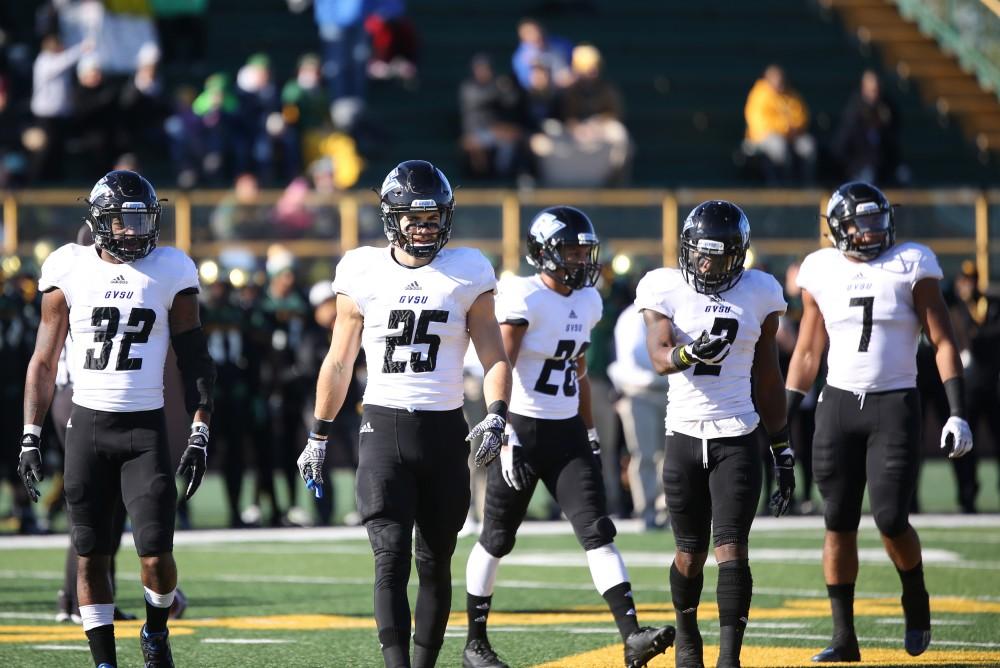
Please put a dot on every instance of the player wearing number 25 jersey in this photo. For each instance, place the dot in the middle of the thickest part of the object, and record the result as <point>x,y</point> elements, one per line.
<point>711,324</point>
<point>414,306</point>
<point>546,321</point>
<point>869,297</point>
<point>123,301</point>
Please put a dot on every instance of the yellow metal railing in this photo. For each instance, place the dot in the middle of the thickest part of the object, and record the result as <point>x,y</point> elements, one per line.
<point>671,204</point>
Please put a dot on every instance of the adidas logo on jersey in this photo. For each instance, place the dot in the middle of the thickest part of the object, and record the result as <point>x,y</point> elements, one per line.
<point>413,286</point>
<point>572,313</point>
<point>366,428</point>
<point>119,280</point>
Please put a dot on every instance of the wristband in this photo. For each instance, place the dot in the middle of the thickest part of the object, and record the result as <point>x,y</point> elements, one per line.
<point>321,429</point>
<point>592,435</point>
<point>679,359</point>
<point>955,389</point>
<point>498,407</point>
<point>793,399</point>
<point>32,429</point>
<point>780,437</point>
<point>199,428</point>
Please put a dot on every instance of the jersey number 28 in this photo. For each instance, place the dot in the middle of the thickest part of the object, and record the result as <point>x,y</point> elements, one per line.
<point>565,361</point>
<point>106,319</point>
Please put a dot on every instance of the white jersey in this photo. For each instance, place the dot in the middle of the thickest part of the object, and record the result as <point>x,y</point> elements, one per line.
<point>415,333</point>
<point>869,314</point>
<point>713,401</point>
<point>118,322</point>
<point>545,382</point>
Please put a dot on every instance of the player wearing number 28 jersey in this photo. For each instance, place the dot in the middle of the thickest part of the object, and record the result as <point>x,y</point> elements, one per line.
<point>546,321</point>
<point>414,306</point>
<point>123,301</point>
<point>711,325</point>
<point>869,297</point>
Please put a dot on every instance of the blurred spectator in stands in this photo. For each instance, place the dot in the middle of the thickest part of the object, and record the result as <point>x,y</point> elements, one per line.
<point>182,30</point>
<point>12,158</point>
<point>119,29</point>
<point>241,215</point>
<point>305,111</point>
<point>217,107</point>
<point>183,129</point>
<point>260,123</point>
<point>592,146</point>
<point>538,47</point>
<point>293,215</point>
<point>642,409</point>
<point>541,96</point>
<point>97,125</point>
<point>867,141</point>
<point>493,121</point>
<point>143,104</point>
<point>777,121</point>
<point>345,57</point>
<point>976,319</point>
<point>52,104</point>
<point>394,41</point>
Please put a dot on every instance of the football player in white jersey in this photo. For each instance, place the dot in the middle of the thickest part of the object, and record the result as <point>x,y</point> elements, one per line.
<point>414,306</point>
<point>546,321</point>
<point>869,298</point>
<point>123,302</point>
<point>711,324</point>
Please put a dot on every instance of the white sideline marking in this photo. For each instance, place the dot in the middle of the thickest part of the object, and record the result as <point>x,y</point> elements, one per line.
<point>81,648</point>
<point>561,528</point>
<point>245,641</point>
<point>28,615</point>
<point>892,621</point>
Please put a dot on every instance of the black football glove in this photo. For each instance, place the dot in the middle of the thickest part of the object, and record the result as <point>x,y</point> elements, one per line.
<point>29,464</point>
<point>194,461</point>
<point>706,349</point>
<point>595,447</point>
<point>784,473</point>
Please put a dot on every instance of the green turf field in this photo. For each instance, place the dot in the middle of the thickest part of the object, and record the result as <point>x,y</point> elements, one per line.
<point>303,598</point>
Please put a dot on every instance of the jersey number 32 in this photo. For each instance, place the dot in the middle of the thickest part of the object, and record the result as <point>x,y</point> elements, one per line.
<point>106,320</point>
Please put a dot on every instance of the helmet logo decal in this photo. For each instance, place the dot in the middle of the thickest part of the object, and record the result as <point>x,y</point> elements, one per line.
<point>423,204</point>
<point>711,246</point>
<point>864,208</point>
<point>585,238</point>
<point>545,226</point>
<point>391,182</point>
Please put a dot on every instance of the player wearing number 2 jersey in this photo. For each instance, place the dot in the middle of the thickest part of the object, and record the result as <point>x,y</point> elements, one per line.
<point>546,321</point>
<point>711,325</point>
<point>414,306</point>
<point>869,297</point>
<point>123,302</point>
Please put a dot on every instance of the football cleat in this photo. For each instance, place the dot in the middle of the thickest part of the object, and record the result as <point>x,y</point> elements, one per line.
<point>479,654</point>
<point>845,651</point>
<point>122,616</point>
<point>689,651</point>
<point>915,641</point>
<point>179,605</point>
<point>156,649</point>
<point>646,643</point>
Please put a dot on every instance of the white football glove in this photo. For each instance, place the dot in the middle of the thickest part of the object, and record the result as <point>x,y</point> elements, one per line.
<point>516,471</point>
<point>957,436</point>
<point>310,464</point>
<point>491,429</point>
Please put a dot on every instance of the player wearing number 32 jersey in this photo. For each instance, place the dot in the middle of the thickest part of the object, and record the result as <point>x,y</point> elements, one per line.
<point>546,320</point>
<point>122,301</point>
<point>870,297</point>
<point>414,306</point>
<point>711,325</point>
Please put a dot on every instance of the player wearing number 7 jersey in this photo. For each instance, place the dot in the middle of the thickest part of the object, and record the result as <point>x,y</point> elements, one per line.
<point>711,325</point>
<point>546,321</point>
<point>869,297</point>
<point>123,302</point>
<point>414,306</point>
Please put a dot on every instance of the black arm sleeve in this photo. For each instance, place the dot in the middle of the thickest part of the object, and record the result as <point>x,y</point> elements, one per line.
<point>197,369</point>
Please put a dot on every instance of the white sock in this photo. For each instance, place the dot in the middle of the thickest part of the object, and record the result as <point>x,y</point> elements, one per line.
<point>481,572</point>
<point>606,567</point>
<point>99,614</point>
<point>160,600</point>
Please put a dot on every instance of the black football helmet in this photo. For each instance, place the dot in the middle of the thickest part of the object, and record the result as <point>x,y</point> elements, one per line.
<point>416,186</point>
<point>124,215</point>
<point>550,232</point>
<point>714,242</point>
<point>864,208</point>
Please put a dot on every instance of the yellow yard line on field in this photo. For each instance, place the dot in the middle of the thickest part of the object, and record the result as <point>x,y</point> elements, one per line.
<point>780,657</point>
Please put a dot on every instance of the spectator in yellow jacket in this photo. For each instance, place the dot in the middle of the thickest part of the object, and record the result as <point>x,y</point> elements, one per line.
<point>777,129</point>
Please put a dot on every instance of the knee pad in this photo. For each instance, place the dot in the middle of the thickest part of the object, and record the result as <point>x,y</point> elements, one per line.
<point>84,540</point>
<point>389,537</point>
<point>598,533</point>
<point>497,539</point>
<point>892,522</point>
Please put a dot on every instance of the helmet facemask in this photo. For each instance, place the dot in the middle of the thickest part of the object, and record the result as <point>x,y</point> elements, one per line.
<point>864,236</point>
<point>557,260</point>
<point>402,234</point>
<point>416,186</point>
<point>711,266</point>
<point>128,233</point>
